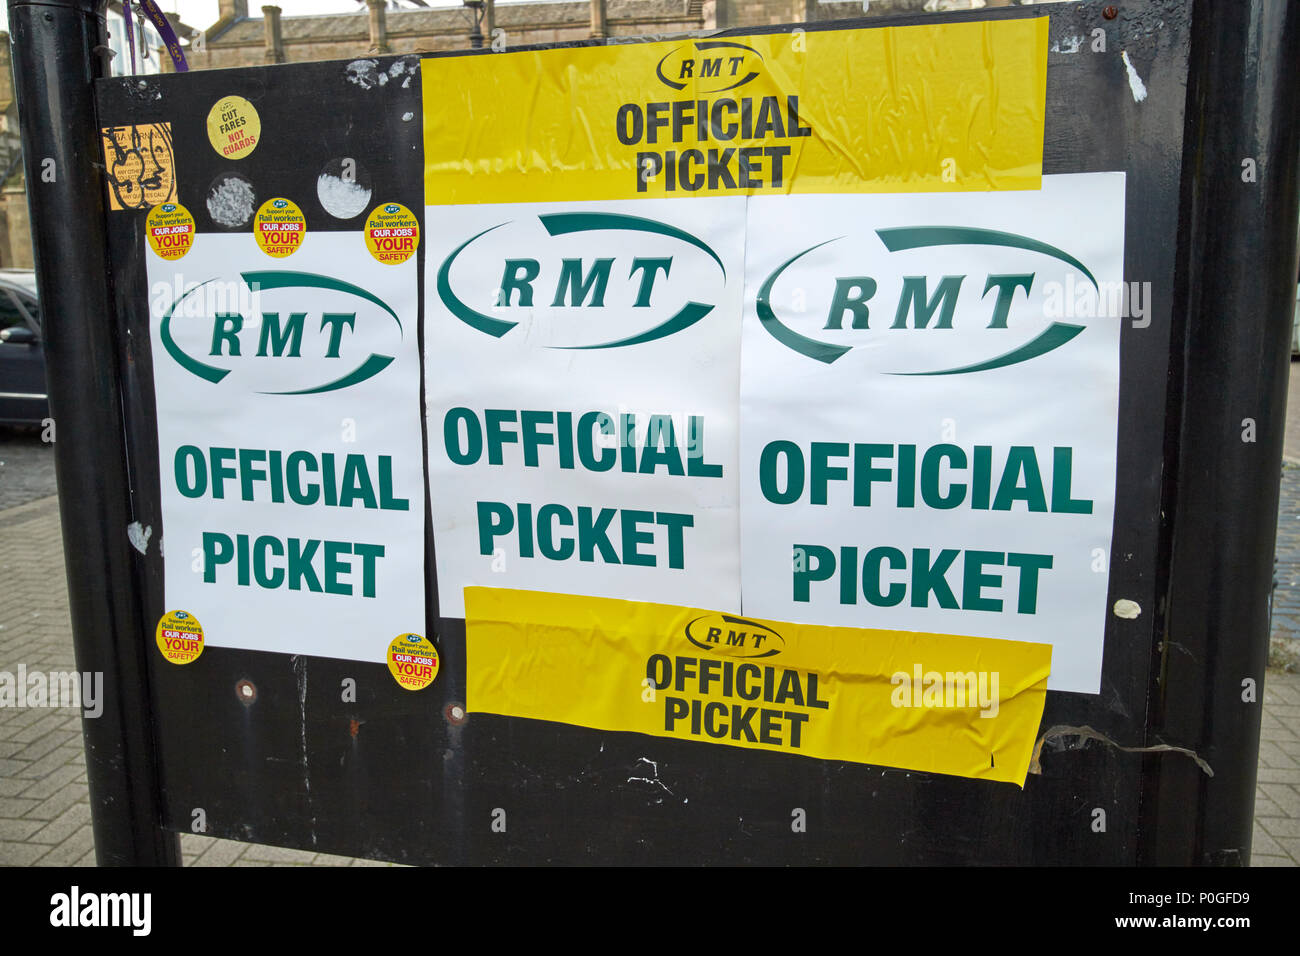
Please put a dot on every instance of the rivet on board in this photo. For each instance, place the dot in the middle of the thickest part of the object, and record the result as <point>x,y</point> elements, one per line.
<point>246,691</point>
<point>1110,13</point>
<point>454,713</point>
<point>1127,609</point>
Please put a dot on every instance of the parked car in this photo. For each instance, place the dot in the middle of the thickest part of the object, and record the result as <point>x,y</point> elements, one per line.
<point>23,399</point>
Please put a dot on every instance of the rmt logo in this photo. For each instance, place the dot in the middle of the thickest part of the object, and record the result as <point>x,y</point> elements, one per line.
<point>712,66</point>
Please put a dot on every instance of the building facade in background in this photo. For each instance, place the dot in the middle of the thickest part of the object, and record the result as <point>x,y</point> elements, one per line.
<point>238,39</point>
<point>15,225</point>
<point>378,27</point>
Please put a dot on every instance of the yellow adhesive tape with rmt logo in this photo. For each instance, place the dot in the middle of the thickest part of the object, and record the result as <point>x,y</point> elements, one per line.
<point>940,703</point>
<point>946,107</point>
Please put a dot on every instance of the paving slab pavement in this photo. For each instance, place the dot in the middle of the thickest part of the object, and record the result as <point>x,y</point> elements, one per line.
<point>26,466</point>
<point>44,803</point>
<point>45,809</point>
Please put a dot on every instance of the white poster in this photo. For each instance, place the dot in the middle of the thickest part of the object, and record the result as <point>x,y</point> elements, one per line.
<point>583,369</point>
<point>929,397</point>
<point>290,447</point>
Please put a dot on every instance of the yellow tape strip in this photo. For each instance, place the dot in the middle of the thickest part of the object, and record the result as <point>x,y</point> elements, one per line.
<point>929,108</point>
<point>940,703</point>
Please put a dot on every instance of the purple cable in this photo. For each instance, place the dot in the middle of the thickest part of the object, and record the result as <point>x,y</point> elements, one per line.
<point>130,30</point>
<point>160,23</point>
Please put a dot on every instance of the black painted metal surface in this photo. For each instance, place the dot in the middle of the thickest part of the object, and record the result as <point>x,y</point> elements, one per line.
<point>54,66</point>
<point>1237,262</point>
<point>392,777</point>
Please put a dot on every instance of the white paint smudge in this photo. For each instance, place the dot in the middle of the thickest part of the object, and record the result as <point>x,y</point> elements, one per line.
<point>1134,81</point>
<point>341,199</point>
<point>1129,610</point>
<point>654,767</point>
<point>407,117</point>
<point>139,536</point>
<point>231,201</point>
<point>364,73</point>
<point>367,73</point>
<point>1067,45</point>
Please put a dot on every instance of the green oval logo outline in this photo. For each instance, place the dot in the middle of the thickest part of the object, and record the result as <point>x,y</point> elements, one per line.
<point>569,223</point>
<point>920,237</point>
<point>370,367</point>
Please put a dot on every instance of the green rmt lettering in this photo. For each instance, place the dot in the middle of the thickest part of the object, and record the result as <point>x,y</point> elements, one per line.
<point>649,272</point>
<point>851,295</point>
<point>277,338</point>
<point>225,328</point>
<point>574,287</point>
<point>853,292</point>
<point>1006,286</point>
<point>913,299</point>
<point>337,321</point>
<point>577,287</point>
<point>518,276</point>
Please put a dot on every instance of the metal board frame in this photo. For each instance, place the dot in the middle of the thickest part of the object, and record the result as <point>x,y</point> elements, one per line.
<point>393,777</point>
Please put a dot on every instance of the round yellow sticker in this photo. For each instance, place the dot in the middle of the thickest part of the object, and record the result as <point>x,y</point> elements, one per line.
<point>180,637</point>
<point>279,227</point>
<point>413,661</point>
<point>170,229</point>
<point>392,233</point>
<point>234,127</point>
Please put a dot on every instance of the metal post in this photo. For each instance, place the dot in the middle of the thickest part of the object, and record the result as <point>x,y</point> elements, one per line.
<point>1237,262</point>
<point>55,63</point>
<point>476,11</point>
